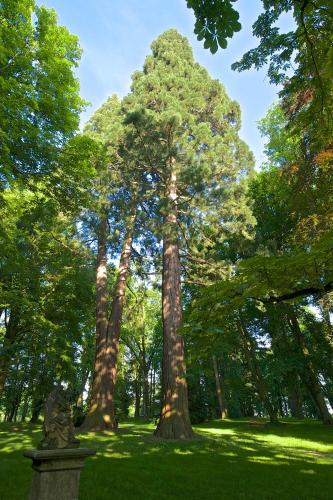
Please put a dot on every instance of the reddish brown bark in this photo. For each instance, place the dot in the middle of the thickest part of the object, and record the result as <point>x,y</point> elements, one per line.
<point>114,325</point>
<point>100,407</point>
<point>174,421</point>
<point>101,415</point>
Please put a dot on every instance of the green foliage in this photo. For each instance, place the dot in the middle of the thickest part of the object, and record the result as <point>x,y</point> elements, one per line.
<point>216,20</point>
<point>183,122</point>
<point>46,283</point>
<point>272,202</point>
<point>301,59</point>
<point>141,342</point>
<point>270,279</point>
<point>45,262</point>
<point>39,94</point>
<point>292,167</point>
<point>282,148</point>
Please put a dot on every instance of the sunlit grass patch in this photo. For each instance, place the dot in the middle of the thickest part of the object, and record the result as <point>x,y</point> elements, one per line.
<point>241,459</point>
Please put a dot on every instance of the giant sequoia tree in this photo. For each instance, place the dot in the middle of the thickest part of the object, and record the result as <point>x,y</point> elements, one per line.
<point>114,190</point>
<point>185,134</point>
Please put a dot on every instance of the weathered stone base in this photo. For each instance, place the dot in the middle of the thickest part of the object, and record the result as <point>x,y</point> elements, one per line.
<point>56,473</point>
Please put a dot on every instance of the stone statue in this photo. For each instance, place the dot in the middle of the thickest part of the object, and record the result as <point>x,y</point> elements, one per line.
<point>58,427</point>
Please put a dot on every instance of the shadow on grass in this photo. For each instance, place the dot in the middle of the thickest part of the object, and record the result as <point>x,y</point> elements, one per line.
<point>234,459</point>
<point>311,431</point>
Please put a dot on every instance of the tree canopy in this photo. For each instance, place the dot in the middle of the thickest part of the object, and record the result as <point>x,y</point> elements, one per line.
<point>39,93</point>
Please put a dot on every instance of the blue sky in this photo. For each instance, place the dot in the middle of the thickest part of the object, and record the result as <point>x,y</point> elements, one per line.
<point>116,35</point>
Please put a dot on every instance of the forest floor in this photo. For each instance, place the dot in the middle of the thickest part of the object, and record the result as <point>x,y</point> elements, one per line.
<point>233,459</point>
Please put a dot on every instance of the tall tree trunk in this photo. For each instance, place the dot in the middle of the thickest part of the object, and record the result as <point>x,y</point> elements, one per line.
<point>220,393</point>
<point>4,364</point>
<point>115,320</point>
<point>12,414</point>
<point>295,400</point>
<point>10,337</point>
<point>78,412</point>
<point>293,382</point>
<point>98,417</point>
<point>84,380</point>
<point>310,376</point>
<point>174,421</point>
<point>326,305</point>
<point>260,383</point>
<point>101,415</point>
<point>280,403</point>
<point>25,407</point>
<point>37,406</point>
<point>145,374</point>
<point>151,389</point>
<point>137,391</point>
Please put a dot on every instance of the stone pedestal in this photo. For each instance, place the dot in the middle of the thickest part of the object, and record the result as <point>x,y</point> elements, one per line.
<point>56,473</point>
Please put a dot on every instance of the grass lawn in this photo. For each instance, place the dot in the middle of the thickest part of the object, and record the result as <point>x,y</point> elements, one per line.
<point>234,459</point>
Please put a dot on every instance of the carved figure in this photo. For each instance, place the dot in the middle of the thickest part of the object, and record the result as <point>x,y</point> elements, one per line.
<point>58,427</point>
